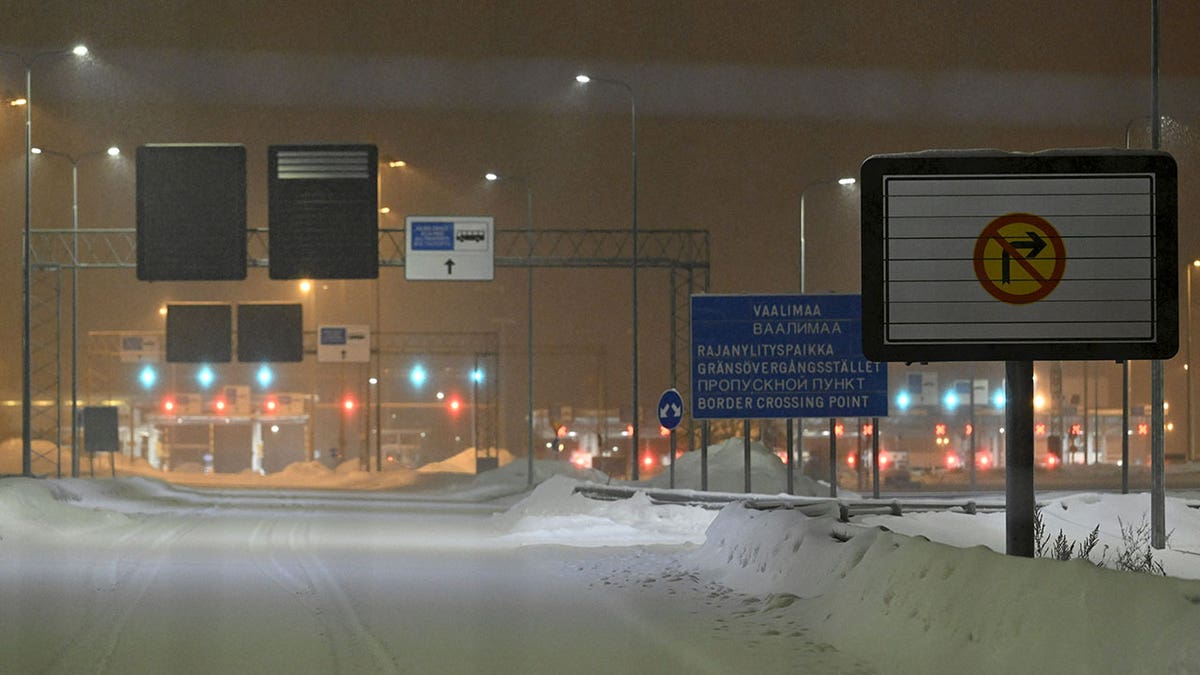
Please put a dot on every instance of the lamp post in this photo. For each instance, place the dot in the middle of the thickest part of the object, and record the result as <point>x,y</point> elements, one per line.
<point>112,151</point>
<point>1191,439</point>
<point>844,182</point>
<point>529,315</point>
<point>26,255</point>
<point>585,79</point>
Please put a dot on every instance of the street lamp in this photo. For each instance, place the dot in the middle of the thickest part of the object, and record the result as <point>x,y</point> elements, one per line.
<point>1191,424</point>
<point>844,182</point>
<point>112,151</point>
<point>26,255</point>
<point>586,79</point>
<point>491,176</point>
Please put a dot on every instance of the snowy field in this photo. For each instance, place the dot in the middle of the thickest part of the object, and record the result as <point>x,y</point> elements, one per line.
<point>481,576</point>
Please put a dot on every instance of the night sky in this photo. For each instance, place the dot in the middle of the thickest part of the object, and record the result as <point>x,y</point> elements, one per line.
<point>740,106</point>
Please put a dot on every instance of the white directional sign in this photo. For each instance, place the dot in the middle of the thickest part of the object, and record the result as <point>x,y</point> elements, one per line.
<point>449,248</point>
<point>994,256</point>
<point>344,343</point>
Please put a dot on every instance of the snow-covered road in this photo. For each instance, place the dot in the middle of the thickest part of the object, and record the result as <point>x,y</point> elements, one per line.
<point>228,581</point>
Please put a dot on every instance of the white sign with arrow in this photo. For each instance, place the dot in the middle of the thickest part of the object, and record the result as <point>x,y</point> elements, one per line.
<point>344,343</point>
<point>449,248</point>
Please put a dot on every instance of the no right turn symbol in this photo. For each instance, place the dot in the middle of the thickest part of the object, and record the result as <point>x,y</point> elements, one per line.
<point>1019,258</point>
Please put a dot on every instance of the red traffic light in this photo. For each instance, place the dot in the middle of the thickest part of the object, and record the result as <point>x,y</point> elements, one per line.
<point>219,405</point>
<point>270,405</point>
<point>168,406</point>
<point>349,404</point>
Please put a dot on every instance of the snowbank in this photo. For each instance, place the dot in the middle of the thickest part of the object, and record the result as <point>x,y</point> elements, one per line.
<point>865,591</point>
<point>726,471</point>
<point>29,506</point>
<point>554,514</point>
<point>463,462</point>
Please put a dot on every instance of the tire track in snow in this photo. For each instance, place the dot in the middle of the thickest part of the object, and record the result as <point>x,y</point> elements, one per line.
<point>92,646</point>
<point>287,558</point>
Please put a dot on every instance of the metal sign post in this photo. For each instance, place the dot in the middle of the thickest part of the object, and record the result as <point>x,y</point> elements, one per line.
<point>1018,455</point>
<point>670,414</point>
<point>991,256</point>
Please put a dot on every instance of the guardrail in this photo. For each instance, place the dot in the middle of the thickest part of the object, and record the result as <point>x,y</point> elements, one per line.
<point>847,508</point>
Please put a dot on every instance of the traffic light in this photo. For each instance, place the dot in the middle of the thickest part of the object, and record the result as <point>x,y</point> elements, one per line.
<point>348,404</point>
<point>220,405</point>
<point>168,405</point>
<point>270,405</point>
<point>147,376</point>
<point>454,404</point>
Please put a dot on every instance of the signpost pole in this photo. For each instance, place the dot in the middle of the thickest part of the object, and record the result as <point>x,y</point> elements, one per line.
<point>875,457</point>
<point>1125,427</point>
<point>746,450</point>
<point>672,450</point>
<point>791,459</point>
<point>833,457</point>
<point>1018,450</point>
<point>704,456</point>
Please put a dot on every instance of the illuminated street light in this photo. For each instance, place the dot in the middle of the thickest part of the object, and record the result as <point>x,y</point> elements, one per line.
<point>844,182</point>
<point>26,256</point>
<point>492,177</point>
<point>586,79</point>
<point>1191,423</point>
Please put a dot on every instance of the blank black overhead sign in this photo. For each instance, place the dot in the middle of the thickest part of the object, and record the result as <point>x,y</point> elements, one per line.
<point>191,212</point>
<point>270,332</point>
<point>199,333</point>
<point>996,256</point>
<point>323,212</point>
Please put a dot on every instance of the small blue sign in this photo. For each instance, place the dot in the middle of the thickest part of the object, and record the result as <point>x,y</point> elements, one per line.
<point>333,335</point>
<point>781,356</point>
<point>670,409</point>
<point>432,235</point>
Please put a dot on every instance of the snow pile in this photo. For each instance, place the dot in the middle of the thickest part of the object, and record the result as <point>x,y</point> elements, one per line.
<point>1075,516</point>
<point>30,506</point>
<point>726,471</point>
<point>463,462</point>
<point>969,610</point>
<point>554,514</point>
<point>513,478</point>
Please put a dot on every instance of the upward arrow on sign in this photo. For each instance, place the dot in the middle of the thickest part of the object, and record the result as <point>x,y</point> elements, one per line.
<point>450,266</point>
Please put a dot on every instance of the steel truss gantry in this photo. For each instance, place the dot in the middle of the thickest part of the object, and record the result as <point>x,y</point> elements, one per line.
<point>683,254</point>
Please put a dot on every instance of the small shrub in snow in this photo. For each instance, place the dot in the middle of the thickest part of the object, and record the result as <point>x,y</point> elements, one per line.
<point>1135,554</point>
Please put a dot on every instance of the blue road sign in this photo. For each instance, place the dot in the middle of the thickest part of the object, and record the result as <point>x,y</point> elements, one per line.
<point>780,356</point>
<point>670,409</point>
